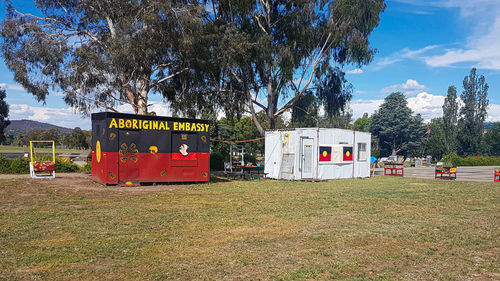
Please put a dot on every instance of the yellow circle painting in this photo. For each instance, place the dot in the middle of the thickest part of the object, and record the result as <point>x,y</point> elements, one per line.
<point>98,151</point>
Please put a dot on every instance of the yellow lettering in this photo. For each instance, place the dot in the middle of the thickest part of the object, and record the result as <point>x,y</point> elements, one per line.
<point>198,127</point>
<point>206,127</point>
<point>121,123</point>
<point>176,126</point>
<point>134,123</point>
<point>145,124</point>
<point>154,125</point>
<point>166,126</point>
<point>188,126</point>
<point>181,126</point>
<point>113,123</point>
<point>128,124</point>
<point>162,126</point>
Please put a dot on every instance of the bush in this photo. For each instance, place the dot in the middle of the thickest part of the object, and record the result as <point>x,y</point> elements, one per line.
<point>65,167</point>
<point>88,167</point>
<point>217,161</point>
<point>4,165</point>
<point>20,166</point>
<point>454,160</point>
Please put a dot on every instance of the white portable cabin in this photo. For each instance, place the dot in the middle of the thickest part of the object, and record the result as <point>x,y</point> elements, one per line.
<point>317,153</point>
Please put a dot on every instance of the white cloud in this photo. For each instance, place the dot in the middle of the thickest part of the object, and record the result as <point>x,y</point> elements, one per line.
<point>480,50</point>
<point>360,107</point>
<point>410,87</point>
<point>493,113</point>
<point>481,46</point>
<point>11,87</point>
<point>428,105</point>
<point>401,55</point>
<point>355,71</point>
<point>67,117</point>
<point>64,117</point>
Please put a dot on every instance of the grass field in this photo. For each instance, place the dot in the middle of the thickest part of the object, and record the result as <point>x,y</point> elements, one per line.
<point>17,149</point>
<point>374,229</point>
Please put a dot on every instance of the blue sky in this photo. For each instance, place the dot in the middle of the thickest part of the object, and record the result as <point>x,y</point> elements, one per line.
<point>424,46</point>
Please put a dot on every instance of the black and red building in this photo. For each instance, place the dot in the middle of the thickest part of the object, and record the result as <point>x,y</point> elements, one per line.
<point>128,149</point>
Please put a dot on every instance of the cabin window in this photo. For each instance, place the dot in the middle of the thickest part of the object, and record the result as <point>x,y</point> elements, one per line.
<point>362,156</point>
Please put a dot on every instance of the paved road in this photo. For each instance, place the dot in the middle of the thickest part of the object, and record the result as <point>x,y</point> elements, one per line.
<point>479,173</point>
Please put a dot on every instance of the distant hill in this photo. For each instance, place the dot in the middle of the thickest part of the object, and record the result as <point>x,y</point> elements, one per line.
<point>21,127</point>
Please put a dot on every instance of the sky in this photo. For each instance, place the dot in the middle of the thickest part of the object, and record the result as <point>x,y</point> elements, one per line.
<point>423,47</point>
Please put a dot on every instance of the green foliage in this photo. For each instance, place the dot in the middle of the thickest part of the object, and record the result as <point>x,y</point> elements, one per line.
<point>121,44</point>
<point>491,140</point>
<point>4,165</point>
<point>456,160</point>
<point>19,166</point>
<point>217,159</point>
<point>305,111</point>
<point>362,124</point>
<point>77,139</point>
<point>435,143</point>
<point>450,118</point>
<point>46,135</point>
<point>65,167</point>
<point>472,114</point>
<point>87,168</point>
<point>4,113</point>
<point>397,130</point>
<point>268,55</point>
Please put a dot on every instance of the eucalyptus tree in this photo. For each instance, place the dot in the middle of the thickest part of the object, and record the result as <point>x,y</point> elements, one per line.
<point>99,53</point>
<point>267,54</point>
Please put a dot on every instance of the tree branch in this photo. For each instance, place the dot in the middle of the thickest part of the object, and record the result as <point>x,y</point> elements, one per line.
<point>169,77</point>
<point>56,21</point>
<point>297,95</point>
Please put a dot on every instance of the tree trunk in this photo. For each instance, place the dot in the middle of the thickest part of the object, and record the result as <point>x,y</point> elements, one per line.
<point>254,116</point>
<point>142,98</point>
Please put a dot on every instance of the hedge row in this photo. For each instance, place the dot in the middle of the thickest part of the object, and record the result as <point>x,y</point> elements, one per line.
<point>454,160</point>
<point>21,166</point>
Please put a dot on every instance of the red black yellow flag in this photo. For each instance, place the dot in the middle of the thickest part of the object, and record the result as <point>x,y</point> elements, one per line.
<point>325,153</point>
<point>347,153</point>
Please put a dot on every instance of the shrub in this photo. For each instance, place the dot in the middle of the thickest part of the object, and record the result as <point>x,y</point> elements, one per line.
<point>87,167</point>
<point>4,165</point>
<point>20,166</point>
<point>217,161</point>
<point>454,160</point>
<point>65,167</point>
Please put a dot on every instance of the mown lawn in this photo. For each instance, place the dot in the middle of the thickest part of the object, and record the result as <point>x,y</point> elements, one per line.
<point>374,229</point>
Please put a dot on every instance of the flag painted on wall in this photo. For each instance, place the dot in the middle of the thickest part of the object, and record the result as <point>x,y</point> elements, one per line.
<point>347,153</point>
<point>325,153</point>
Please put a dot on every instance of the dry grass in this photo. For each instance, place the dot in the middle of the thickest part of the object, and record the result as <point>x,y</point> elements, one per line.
<point>374,229</point>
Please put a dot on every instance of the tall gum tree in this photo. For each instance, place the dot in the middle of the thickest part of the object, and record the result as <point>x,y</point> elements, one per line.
<point>269,53</point>
<point>99,53</point>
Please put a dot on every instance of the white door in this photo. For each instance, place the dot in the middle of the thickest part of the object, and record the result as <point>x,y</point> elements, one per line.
<point>307,158</point>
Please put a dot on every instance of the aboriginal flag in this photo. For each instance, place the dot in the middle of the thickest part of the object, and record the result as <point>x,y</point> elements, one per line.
<point>325,153</point>
<point>347,153</point>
